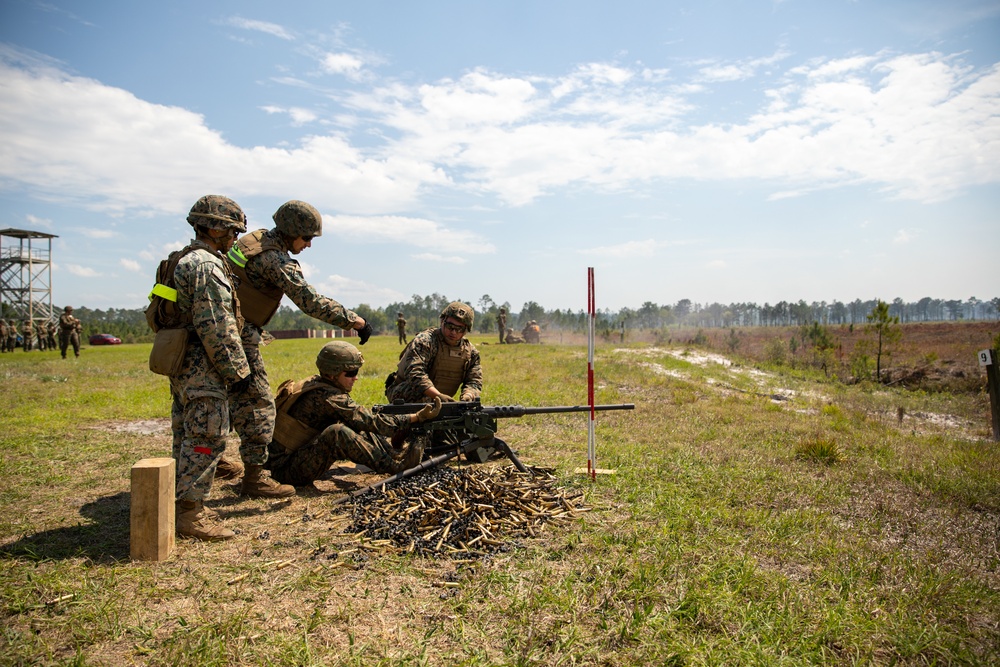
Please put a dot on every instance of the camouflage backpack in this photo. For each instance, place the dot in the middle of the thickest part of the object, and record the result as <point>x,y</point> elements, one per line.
<point>162,310</point>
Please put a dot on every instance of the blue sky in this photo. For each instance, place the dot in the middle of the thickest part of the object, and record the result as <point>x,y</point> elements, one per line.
<point>713,151</point>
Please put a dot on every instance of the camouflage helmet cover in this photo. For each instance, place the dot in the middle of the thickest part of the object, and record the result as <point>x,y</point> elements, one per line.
<point>68,309</point>
<point>461,312</point>
<point>297,218</point>
<point>217,212</point>
<point>338,356</point>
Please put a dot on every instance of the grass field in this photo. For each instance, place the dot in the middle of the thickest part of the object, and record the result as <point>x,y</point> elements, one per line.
<point>754,518</point>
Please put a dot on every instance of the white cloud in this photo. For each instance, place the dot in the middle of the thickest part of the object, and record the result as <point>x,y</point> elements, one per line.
<point>82,271</point>
<point>92,233</point>
<point>353,292</point>
<point>416,232</point>
<point>920,127</point>
<point>35,221</point>
<point>435,258</point>
<point>625,250</point>
<point>272,29</point>
<point>902,237</point>
<point>298,115</point>
<point>130,264</point>
<point>345,64</point>
<point>716,264</point>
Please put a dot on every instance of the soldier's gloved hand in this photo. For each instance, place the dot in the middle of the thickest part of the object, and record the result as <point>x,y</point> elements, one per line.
<point>240,386</point>
<point>429,411</point>
<point>365,332</point>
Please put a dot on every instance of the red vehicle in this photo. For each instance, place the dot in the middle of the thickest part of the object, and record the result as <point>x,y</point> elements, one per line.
<point>105,339</point>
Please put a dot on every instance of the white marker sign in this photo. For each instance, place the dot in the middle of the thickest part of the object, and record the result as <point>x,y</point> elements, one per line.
<point>984,358</point>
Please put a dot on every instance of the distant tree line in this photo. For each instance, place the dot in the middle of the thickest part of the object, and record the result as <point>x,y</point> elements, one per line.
<point>423,311</point>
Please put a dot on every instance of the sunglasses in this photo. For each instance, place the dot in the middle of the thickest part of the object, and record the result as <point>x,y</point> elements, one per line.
<point>307,239</point>
<point>454,328</point>
<point>351,374</point>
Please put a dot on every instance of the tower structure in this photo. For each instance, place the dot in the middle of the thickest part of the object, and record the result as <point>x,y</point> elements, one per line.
<point>26,275</point>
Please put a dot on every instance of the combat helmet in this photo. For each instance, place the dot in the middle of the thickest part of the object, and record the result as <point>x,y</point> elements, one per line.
<point>297,218</point>
<point>217,212</point>
<point>461,312</point>
<point>338,356</point>
<point>68,309</point>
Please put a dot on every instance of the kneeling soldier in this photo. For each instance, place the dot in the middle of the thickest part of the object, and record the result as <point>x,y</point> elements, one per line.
<point>318,423</point>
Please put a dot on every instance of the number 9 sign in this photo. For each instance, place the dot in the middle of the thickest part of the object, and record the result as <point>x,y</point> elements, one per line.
<point>985,358</point>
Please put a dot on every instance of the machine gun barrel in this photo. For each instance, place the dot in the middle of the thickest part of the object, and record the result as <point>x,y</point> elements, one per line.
<point>456,408</point>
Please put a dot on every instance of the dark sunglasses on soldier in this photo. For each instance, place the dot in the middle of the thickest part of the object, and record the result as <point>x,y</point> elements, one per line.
<point>307,239</point>
<point>454,328</point>
<point>351,374</point>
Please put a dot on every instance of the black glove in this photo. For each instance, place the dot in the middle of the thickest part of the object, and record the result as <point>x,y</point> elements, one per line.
<point>365,332</point>
<point>240,386</point>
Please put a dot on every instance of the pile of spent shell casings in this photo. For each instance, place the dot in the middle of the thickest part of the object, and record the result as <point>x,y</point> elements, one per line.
<point>463,513</point>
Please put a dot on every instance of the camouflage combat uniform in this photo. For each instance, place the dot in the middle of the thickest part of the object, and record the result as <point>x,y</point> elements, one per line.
<point>401,326</point>
<point>11,336</point>
<point>418,363</point>
<point>69,334</point>
<point>50,331</point>
<point>502,325</point>
<point>214,359</point>
<point>27,335</point>
<point>271,274</point>
<point>3,335</point>
<point>346,430</point>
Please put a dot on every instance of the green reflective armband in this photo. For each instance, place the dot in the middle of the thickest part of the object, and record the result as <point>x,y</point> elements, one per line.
<point>164,292</point>
<point>237,257</point>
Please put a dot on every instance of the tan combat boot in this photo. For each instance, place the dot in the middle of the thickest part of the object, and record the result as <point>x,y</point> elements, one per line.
<point>258,485</point>
<point>414,454</point>
<point>191,520</point>
<point>228,469</point>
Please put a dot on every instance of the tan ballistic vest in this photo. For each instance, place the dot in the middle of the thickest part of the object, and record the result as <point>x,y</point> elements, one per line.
<point>289,432</point>
<point>449,367</point>
<point>258,306</point>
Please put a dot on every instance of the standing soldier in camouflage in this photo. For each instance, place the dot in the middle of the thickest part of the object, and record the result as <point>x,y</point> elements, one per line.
<point>401,327</point>
<point>502,324</point>
<point>50,334</point>
<point>11,340</point>
<point>69,333</point>
<point>265,274</point>
<point>27,335</point>
<point>3,335</point>
<point>214,363</point>
<point>318,423</point>
<point>437,363</point>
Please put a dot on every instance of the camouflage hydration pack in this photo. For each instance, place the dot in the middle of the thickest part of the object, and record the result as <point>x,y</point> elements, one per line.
<point>162,311</point>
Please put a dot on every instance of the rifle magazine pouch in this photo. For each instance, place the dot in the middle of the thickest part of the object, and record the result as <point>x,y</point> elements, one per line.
<point>169,348</point>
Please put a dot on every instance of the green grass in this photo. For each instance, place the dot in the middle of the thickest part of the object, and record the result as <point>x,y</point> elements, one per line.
<point>737,529</point>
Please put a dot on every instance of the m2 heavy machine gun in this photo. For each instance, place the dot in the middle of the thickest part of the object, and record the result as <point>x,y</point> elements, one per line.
<point>476,426</point>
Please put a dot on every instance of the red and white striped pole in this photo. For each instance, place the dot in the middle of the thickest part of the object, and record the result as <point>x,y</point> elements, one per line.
<point>591,319</point>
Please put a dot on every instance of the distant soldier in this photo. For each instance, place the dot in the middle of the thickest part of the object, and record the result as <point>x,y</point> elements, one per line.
<point>401,326</point>
<point>502,324</point>
<point>3,335</point>
<point>11,340</point>
<point>69,332</point>
<point>318,423</point>
<point>27,335</point>
<point>50,334</point>
<point>532,332</point>
<point>513,338</point>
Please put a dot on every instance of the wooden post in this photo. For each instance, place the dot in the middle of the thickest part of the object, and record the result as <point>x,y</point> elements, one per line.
<point>152,518</point>
<point>988,358</point>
